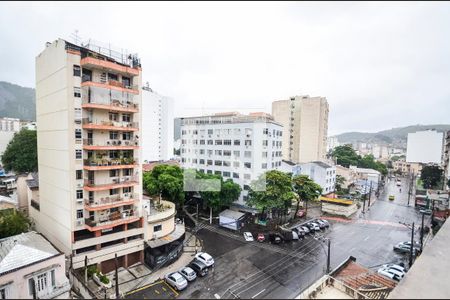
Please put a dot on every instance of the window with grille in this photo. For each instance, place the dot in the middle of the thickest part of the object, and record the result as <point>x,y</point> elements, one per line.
<point>77,92</point>
<point>76,70</point>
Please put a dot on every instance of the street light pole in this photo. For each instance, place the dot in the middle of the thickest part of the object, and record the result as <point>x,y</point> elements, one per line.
<point>328,256</point>
<point>421,234</point>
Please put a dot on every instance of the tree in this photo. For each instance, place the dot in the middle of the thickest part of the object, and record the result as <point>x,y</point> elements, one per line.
<point>165,181</point>
<point>20,155</point>
<point>216,195</point>
<point>271,191</point>
<point>12,222</point>
<point>340,181</point>
<point>431,176</point>
<point>306,189</point>
<point>345,156</point>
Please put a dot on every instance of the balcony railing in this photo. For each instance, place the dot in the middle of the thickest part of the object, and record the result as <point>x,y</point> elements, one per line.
<point>160,211</point>
<point>100,162</point>
<point>110,200</point>
<point>124,125</point>
<point>107,143</point>
<point>113,218</point>
<point>110,181</point>
<point>110,82</point>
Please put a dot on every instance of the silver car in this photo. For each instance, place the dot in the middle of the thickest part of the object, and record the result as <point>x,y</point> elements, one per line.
<point>176,280</point>
<point>188,273</point>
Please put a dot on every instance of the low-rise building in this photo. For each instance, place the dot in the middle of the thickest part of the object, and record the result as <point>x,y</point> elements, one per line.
<point>8,203</point>
<point>32,268</point>
<point>405,167</point>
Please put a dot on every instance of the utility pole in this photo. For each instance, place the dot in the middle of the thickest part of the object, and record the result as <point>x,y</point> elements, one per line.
<point>421,233</point>
<point>370,195</point>
<point>85,268</point>
<point>328,256</point>
<point>411,250</point>
<point>117,277</point>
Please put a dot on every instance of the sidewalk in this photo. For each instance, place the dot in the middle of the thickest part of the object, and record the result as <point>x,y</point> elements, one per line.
<point>145,278</point>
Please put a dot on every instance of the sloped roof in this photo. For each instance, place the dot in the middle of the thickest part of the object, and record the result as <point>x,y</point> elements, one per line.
<point>322,164</point>
<point>232,214</point>
<point>33,183</point>
<point>24,249</point>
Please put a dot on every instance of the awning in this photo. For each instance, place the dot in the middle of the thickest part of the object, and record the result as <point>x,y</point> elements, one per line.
<point>173,236</point>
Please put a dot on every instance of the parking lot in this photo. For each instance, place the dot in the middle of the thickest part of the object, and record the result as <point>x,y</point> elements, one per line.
<point>158,290</point>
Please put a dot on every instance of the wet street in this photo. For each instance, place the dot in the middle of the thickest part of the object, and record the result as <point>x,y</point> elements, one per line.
<point>253,270</point>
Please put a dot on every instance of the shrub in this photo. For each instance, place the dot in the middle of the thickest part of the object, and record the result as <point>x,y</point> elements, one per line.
<point>91,270</point>
<point>104,279</point>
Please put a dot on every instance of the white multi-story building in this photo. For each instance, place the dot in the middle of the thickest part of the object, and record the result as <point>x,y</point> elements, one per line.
<point>88,107</point>
<point>332,142</point>
<point>425,147</point>
<point>240,147</point>
<point>157,126</point>
<point>8,127</point>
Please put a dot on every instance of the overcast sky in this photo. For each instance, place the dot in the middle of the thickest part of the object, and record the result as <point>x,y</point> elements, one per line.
<point>380,65</point>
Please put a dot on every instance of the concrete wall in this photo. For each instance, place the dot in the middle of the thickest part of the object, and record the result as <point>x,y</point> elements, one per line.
<point>425,147</point>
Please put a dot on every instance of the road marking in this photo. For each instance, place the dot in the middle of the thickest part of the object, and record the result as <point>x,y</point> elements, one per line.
<point>258,293</point>
<point>366,238</point>
<point>144,287</point>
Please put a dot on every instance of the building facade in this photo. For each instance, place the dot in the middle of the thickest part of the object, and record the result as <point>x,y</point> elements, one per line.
<point>425,147</point>
<point>8,127</point>
<point>406,167</point>
<point>447,155</point>
<point>157,126</point>
<point>305,127</point>
<point>88,106</point>
<point>321,173</point>
<point>32,268</point>
<point>238,147</point>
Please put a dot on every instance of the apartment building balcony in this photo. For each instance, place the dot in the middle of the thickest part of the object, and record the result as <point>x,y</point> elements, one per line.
<point>117,144</point>
<point>102,64</point>
<point>160,211</point>
<point>110,201</point>
<point>110,125</point>
<point>107,184</point>
<point>111,220</point>
<point>99,164</point>
<point>88,81</point>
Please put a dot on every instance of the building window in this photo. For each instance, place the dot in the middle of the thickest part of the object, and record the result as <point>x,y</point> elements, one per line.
<point>202,161</point>
<point>127,172</point>
<point>226,153</point>
<point>202,151</point>
<point>226,174</point>
<point>113,192</point>
<point>226,163</point>
<point>248,142</point>
<point>246,187</point>
<point>79,194</point>
<point>126,118</point>
<point>209,162</point>
<point>210,131</point>
<point>237,142</point>
<point>235,175</point>
<point>53,278</point>
<point>264,154</point>
<point>247,176</point>
<point>77,92</point>
<point>236,153</point>
<point>236,164</point>
<point>218,152</point>
<point>78,154</point>
<point>113,173</point>
<point>217,173</point>
<point>265,143</point>
<point>247,154</point>
<point>79,215</point>
<point>265,131</point>
<point>227,142</point>
<point>218,162</point>
<point>210,142</point>
<point>4,292</point>
<point>202,142</point>
<point>218,142</point>
<point>126,189</point>
<point>157,228</point>
<point>247,165</point>
<point>209,171</point>
<point>264,166</point>
<point>78,133</point>
<point>113,116</point>
<point>76,70</point>
<point>79,174</point>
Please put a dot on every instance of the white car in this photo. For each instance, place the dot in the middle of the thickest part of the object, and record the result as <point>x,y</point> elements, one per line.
<point>385,272</point>
<point>188,273</point>
<point>176,280</point>
<point>395,267</point>
<point>248,236</point>
<point>397,275</point>
<point>205,258</point>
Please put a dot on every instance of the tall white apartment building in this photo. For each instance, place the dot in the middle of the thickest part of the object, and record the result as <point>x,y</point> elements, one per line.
<point>88,106</point>
<point>305,127</point>
<point>8,127</point>
<point>425,147</point>
<point>236,146</point>
<point>157,126</point>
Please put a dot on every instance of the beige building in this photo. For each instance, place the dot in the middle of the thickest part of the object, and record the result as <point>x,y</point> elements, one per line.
<point>305,127</point>
<point>407,167</point>
<point>88,123</point>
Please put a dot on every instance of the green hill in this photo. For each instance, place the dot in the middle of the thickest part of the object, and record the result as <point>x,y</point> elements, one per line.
<point>395,136</point>
<point>17,101</point>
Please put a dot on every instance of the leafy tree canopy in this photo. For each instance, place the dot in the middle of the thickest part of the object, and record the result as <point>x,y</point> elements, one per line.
<point>431,176</point>
<point>12,222</point>
<point>166,180</point>
<point>346,156</point>
<point>20,155</point>
<point>218,193</point>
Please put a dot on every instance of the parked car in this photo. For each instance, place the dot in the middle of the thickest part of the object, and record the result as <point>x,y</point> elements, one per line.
<point>386,273</point>
<point>320,223</point>
<point>188,273</point>
<point>315,226</point>
<point>295,235</point>
<point>275,238</point>
<point>300,231</point>
<point>306,229</point>
<point>176,280</point>
<point>261,238</point>
<point>327,224</point>
<point>395,267</point>
<point>248,236</point>
<point>398,275</point>
<point>205,258</point>
<point>405,247</point>
<point>199,268</point>
<point>311,227</point>
<point>426,211</point>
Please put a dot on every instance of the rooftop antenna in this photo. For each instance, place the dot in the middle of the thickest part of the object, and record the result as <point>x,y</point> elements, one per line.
<point>75,37</point>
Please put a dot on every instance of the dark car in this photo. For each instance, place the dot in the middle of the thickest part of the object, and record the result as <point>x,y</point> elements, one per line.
<point>300,231</point>
<point>275,238</point>
<point>199,268</point>
<point>287,235</point>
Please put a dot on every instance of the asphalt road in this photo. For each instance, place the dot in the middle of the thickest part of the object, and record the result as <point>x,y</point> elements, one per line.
<point>245,270</point>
